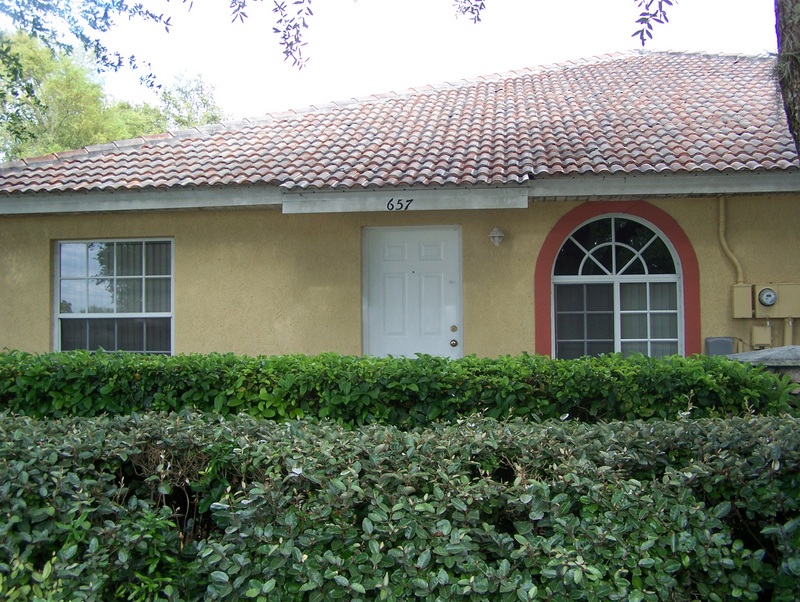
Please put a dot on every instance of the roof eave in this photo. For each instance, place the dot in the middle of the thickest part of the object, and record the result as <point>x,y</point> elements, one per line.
<point>219,197</point>
<point>584,186</point>
<point>664,184</point>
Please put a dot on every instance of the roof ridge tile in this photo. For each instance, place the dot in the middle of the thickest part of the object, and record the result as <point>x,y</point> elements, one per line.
<point>50,158</point>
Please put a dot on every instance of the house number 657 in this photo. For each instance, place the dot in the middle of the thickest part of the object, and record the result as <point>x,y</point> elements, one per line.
<point>399,204</point>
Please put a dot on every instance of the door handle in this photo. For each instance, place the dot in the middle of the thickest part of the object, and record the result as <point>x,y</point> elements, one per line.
<point>453,343</point>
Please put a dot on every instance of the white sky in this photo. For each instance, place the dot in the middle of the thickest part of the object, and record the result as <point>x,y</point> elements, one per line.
<point>361,47</point>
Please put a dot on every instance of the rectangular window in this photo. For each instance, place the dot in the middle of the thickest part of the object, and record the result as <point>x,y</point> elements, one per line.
<point>623,317</point>
<point>115,295</point>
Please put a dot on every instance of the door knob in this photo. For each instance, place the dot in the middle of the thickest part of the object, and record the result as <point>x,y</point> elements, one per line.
<point>454,343</point>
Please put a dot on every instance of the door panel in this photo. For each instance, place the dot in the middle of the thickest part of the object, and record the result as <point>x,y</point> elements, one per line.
<point>431,303</point>
<point>395,286</point>
<point>412,291</point>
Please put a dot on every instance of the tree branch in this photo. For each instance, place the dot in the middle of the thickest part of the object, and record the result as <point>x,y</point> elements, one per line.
<point>787,18</point>
<point>653,12</point>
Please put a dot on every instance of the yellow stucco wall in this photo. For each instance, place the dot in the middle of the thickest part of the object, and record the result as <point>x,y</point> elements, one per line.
<point>257,281</point>
<point>764,235</point>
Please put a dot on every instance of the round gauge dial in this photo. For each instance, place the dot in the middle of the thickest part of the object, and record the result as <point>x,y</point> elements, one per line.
<point>767,297</point>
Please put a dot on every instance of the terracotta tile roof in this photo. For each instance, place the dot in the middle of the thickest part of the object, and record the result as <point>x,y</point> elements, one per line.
<point>630,113</point>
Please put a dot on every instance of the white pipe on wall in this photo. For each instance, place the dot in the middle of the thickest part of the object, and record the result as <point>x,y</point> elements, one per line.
<point>723,241</point>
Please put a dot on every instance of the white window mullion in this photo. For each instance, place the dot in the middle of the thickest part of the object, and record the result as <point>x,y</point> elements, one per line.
<point>647,332</point>
<point>617,319</point>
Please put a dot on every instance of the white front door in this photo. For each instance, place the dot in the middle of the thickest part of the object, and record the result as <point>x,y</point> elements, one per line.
<point>412,291</point>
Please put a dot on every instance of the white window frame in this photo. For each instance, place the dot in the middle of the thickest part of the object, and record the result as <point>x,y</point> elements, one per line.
<point>617,280</point>
<point>57,315</point>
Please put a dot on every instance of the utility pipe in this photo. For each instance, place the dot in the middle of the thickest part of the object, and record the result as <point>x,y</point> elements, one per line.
<point>723,241</point>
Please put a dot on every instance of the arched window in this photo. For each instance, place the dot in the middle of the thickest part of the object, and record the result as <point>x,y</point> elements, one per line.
<point>616,288</point>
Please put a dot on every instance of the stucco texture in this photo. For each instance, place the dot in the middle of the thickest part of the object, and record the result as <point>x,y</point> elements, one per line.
<point>256,281</point>
<point>763,233</point>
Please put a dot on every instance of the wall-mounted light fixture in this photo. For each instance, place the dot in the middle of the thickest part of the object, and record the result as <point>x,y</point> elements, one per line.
<point>496,236</point>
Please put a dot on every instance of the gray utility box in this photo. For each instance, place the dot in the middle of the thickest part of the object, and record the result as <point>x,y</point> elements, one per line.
<point>720,345</point>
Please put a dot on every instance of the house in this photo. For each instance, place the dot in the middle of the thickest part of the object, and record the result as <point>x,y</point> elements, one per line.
<point>640,202</point>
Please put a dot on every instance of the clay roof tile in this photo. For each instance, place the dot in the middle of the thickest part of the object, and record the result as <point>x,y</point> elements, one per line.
<point>636,112</point>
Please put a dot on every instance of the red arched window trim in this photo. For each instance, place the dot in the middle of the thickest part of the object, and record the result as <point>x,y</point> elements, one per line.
<point>543,298</point>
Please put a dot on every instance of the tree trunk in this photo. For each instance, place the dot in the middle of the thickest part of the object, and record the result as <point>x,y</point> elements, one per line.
<point>787,19</point>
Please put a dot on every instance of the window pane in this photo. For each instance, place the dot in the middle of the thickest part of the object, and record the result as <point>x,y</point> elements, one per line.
<point>664,326</point>
<point>569,297</point>
<point>157,294</point>
<point>663,295</point>
<point>634,326</point>
<point>101,334</point>
<point>600,326</point>
<point>600,297</point>
<point>101,259</point>
<point>569,351</point>
<point>73,334</point>
<point>101,296</point>
<point>157,335</point>
<point>129,295</point>
<point>73,297</point>
<point>130,334</point>
<point>633,296</point>
<point>129,259</point>
<point>634,269</point>
<point>599,263</point>
<point>631,348</point>
<point>632,233</point>
<point>594,233</point>
<point>569,259</point>
<point>158,258</point>
<point>598,347</point>
<point>622,256</point>
<point>569,326</point>
<point>662,348</point>
<point>658,258</point>
<point>73,260</point>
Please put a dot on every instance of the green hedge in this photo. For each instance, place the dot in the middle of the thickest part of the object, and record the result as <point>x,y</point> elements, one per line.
<point>399,391</point>
<point>181,507</point>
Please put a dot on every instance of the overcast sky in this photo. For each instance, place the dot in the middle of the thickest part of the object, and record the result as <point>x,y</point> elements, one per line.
<point>362,47</point>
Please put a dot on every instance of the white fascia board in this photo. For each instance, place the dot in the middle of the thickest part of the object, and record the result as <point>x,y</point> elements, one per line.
<point>616,185</point>
<point>388,200</point>
<point>145,200</point>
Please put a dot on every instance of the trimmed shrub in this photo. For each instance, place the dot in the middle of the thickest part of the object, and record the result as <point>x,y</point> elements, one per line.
<point>186,507</point>
<point>399,391</point>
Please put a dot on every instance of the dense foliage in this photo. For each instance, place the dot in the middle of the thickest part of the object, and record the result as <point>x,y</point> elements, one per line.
<point>400,391</point>
<point>185,507</point>
<point>150,505</point>
<point>66,107</point>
